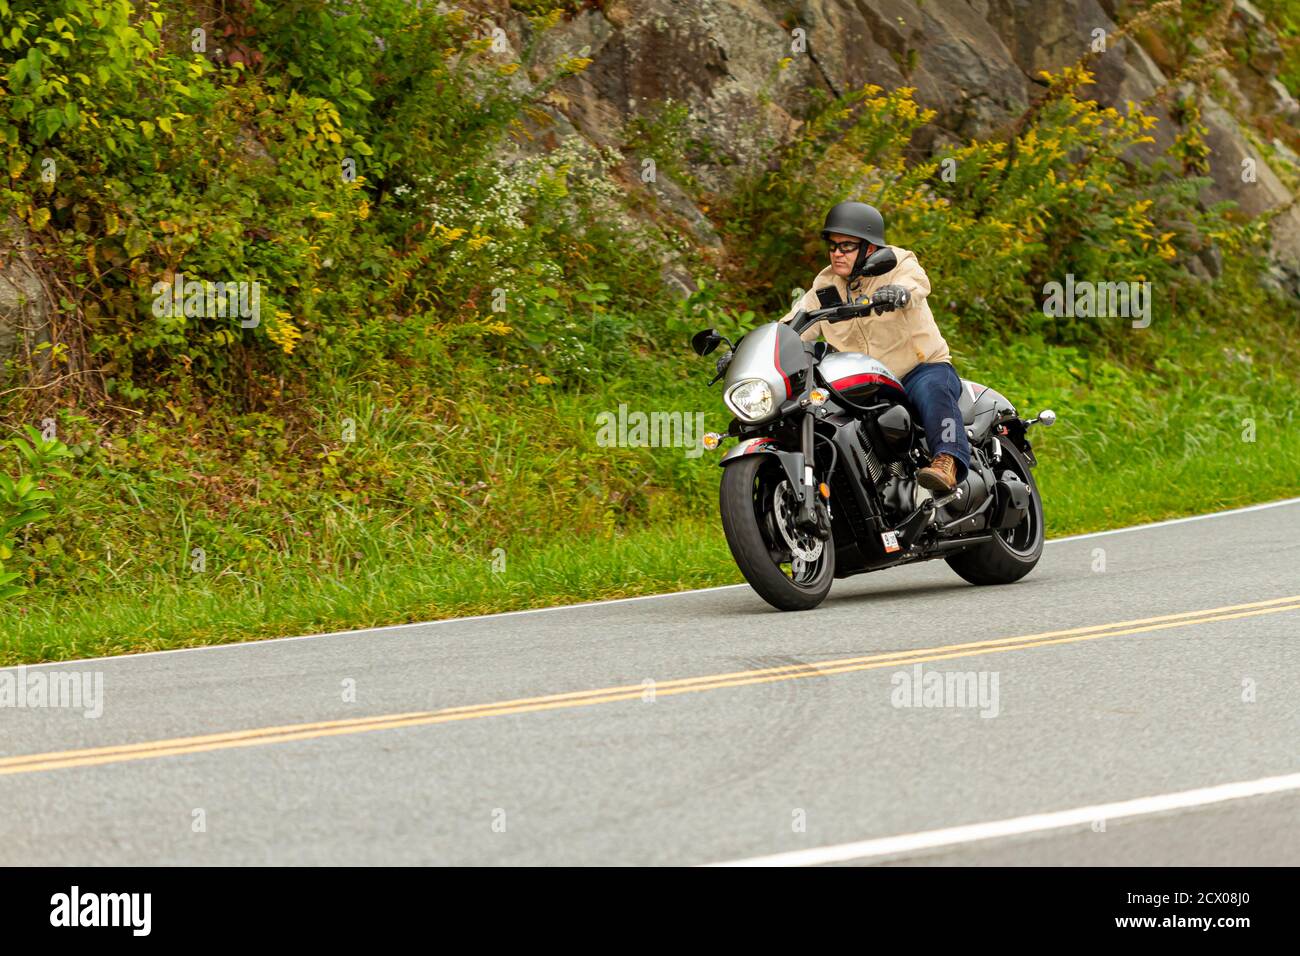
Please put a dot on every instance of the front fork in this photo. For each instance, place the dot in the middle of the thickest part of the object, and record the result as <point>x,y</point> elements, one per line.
<point>810,517</point>
<point>814,517</point>
<point>807,519</point>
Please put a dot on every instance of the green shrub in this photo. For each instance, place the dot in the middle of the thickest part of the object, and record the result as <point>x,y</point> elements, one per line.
<point>23,502</point>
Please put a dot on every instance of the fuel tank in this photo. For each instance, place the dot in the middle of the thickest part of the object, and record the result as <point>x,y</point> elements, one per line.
<point>860,379</point>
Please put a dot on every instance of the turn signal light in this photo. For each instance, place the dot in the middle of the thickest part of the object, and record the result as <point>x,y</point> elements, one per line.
<point>711,440</point>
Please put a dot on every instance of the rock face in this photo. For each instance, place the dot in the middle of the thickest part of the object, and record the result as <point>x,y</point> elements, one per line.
<point>975,62</point>
<point>24,306</point>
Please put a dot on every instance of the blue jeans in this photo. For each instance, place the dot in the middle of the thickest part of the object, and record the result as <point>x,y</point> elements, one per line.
<point>934,389</point>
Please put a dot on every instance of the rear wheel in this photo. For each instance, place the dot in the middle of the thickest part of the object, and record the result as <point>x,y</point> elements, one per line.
<point>789,568</point>
<point>1013,552</point>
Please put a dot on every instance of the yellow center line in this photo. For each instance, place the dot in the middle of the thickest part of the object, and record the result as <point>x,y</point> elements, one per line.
<point>31,763</point>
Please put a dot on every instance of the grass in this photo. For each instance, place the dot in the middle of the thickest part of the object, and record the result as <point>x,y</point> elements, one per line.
<point>402,524</point>
<point>306,531</point>
<point>204,610</point>
<point>1081,493</point>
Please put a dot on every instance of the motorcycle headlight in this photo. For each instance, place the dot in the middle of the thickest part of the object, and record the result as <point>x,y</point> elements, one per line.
<point>750,399</point>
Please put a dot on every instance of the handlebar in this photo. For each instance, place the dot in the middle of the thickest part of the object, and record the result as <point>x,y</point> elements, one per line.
<point>836,313</point>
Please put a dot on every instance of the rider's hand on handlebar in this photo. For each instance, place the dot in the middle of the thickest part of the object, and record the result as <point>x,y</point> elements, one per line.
<point>890,297</point>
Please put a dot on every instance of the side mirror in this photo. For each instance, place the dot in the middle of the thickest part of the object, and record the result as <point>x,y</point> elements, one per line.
<point>1045,417</point>
<point>705,341</point>
<point>879,262</point>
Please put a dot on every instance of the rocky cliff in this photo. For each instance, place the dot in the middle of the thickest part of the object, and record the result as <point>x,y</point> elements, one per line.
<point>975,62</point>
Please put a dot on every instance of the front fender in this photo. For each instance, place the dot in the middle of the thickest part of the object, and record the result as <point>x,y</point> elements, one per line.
<point>747,447</point>
<point>791,461</point>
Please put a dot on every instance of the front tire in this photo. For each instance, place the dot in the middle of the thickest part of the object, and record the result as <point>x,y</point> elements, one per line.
<point>753,500</point>
<point>1012,553</point>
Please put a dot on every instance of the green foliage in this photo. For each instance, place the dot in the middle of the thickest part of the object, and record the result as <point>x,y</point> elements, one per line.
<point>23,502</point>
<point>1284,17</point>
<point>545,7</point>
<point>708,307</point>
<point>662,132</point>
<point>462,271</point>
<point>843,150</point>
<point>992,221</point>
<point>368,177</point>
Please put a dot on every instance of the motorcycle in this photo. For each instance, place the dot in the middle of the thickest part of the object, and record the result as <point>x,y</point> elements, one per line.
<point>823,481</point>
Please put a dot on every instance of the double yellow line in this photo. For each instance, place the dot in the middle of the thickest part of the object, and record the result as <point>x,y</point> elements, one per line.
<point>62,760</point>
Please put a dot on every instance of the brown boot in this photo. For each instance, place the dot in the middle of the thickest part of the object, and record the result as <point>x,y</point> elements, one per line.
<point>941,475</point>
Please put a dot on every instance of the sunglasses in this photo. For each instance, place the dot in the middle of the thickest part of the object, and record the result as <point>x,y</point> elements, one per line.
<point>844,247</point>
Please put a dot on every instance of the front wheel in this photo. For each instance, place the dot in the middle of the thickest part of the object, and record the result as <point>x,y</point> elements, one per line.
<point>789,568</point>
<point>1013,552</point>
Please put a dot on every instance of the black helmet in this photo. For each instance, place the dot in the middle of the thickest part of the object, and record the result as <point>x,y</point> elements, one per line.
<point>856,219</point>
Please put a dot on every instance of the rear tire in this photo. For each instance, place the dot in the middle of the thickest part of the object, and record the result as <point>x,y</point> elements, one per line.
<point>748,522</point>
<point>1012,553</point>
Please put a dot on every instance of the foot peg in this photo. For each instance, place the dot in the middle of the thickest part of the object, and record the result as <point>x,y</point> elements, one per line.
<point>923,517</point>
<point>955,496</point>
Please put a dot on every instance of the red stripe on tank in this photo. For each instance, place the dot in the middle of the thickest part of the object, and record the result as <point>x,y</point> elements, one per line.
<point>776,360</point>
<point>861,378</point>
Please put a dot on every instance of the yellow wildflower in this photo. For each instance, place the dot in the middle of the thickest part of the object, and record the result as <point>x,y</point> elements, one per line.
<point>575,64</point>
<point>441,232</point>
<point>283,332</point>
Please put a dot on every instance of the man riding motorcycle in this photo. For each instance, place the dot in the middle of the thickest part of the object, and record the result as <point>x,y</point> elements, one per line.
<point>905,338</point>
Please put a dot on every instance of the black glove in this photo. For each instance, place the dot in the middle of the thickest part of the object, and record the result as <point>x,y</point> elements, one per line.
<point>889,297</point>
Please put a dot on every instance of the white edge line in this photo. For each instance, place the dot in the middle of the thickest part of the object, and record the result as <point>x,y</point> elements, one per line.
<point>954,836</point>
<point>1161,524</point>
<point>356,632</point>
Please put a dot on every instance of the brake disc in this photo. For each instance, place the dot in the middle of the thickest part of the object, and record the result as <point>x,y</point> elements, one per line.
<point>785,507</point>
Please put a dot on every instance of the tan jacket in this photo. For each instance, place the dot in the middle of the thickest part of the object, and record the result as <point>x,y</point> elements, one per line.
<point>901,339</point>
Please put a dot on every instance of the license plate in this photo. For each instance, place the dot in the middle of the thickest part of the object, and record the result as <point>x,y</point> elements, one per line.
<point>890,540</point>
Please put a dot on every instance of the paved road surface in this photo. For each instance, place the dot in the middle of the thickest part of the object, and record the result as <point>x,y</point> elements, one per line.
<point>705,727</point>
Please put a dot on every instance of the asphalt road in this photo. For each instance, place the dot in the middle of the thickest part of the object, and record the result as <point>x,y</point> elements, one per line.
<point>706,728</point>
